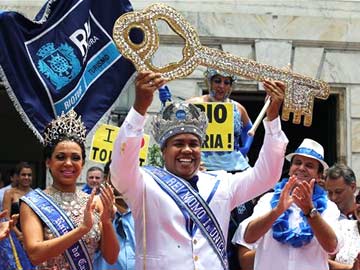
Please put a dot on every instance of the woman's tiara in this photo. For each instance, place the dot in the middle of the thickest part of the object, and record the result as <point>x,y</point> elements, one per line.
<point>67,126</point>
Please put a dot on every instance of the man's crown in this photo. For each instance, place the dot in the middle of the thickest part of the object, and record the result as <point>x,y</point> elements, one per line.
<point>178,118</point>
<point>65,125</point>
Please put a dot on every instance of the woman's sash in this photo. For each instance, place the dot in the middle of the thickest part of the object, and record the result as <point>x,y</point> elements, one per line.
<point>192,204</point>
<point>59,223</point>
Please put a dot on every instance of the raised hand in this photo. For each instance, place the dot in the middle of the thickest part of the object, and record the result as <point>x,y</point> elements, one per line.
<point>88,220</point>
<point>107,199</point>
<point>302,195</point>
<point>286,199</point>
<point>147,82</point>
<point>276,91</point>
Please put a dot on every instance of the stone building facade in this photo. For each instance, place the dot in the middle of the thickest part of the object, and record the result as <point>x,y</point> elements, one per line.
<point>320,39</point>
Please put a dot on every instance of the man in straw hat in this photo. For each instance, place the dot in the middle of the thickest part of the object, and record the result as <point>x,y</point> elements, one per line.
<point>181,214</point>
<point>294,226</point>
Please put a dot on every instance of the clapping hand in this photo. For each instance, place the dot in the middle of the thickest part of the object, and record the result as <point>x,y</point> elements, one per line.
<point>302,195</point>
<point>107,199</point>
<point>89,211</point>
<point>286,199</point>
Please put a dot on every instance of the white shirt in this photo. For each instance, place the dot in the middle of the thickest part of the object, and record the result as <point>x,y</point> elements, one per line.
<point>238,238</point>
<point>168,244</point>
<point>273,255</point>
<point>350,233</point>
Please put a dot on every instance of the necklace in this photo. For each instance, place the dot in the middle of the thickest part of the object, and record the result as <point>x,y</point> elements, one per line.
<point>71,202</point>
<point>302,234</point>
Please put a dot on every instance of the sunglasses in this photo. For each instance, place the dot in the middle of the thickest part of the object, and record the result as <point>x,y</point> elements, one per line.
<point>219,80</point>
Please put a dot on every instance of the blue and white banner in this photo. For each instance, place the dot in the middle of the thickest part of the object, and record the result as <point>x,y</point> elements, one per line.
<point>63,59</point>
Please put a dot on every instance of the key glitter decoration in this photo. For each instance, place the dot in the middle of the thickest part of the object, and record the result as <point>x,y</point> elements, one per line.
<point>301,90</point>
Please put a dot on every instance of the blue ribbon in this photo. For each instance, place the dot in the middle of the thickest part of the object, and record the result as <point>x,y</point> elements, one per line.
<point>281,229</point>
<point>310,152</point>
<point>164,95</point>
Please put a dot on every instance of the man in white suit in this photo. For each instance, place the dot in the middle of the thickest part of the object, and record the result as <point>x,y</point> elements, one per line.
<point>181,214</point>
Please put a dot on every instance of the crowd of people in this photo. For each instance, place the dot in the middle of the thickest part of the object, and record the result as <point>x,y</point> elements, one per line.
<point>128,216</point>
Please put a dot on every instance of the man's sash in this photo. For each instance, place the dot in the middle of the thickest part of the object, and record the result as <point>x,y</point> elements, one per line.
<point>59,223</point>
<point>192,204</point>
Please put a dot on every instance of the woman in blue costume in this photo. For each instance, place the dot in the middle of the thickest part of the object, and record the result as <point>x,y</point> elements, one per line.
<point>220,87</point>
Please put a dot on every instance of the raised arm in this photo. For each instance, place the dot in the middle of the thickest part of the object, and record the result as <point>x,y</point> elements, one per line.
<point>268,167</point>
<point>8,199</point>
<point>7,202</point>
<point>125,172</point>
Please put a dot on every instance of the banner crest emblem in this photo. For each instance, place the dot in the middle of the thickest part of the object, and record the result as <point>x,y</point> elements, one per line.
<point>60,65</point>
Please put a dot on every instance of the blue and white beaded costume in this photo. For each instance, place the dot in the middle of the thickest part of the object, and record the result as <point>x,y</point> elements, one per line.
<point>228,161</point>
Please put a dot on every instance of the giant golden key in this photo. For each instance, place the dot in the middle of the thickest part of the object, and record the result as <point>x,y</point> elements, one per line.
<point>301,90</point>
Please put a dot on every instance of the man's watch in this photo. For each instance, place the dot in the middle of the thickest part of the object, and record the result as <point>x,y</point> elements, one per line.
<point>312,213</point>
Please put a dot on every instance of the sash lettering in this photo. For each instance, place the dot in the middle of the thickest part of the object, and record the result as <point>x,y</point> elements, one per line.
<point>192,204</point>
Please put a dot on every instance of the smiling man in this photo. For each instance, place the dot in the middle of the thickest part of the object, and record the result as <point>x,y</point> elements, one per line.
<point>296,223</point>
<point>181,214</point>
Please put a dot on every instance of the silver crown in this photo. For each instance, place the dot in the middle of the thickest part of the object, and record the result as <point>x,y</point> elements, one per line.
<point>65,125</point>
<point>178,118</point>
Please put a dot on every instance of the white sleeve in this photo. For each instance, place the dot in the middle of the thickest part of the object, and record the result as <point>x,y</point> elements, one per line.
<point>126,174</point>
<point>238,237</point>
<point>331,215</point>
<point>268,167</point>
<point>261,208</point>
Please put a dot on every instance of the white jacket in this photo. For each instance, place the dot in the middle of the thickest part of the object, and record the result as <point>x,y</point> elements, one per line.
<point>168,245</point>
